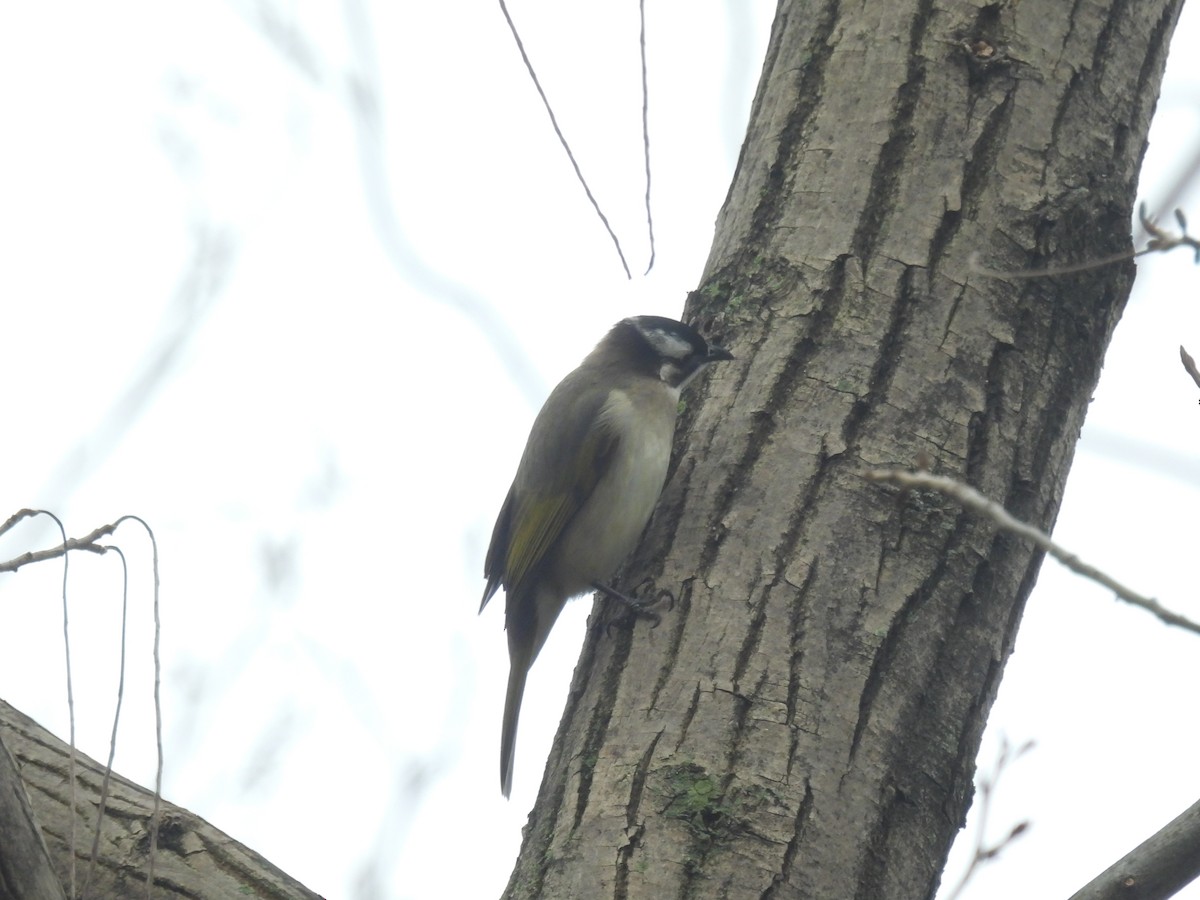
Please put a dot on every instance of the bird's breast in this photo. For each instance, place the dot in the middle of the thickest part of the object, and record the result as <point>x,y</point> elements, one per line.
<point>611,520</point>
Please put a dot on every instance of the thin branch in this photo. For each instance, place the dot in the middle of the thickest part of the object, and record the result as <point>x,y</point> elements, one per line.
<point>977,268</point>
<point>112,744</point>
<point>971,499</point>
<point>88,542</point>
<point>985,853</point>
<point>70,690</point>
<point>646,129</point>
<point>562,139</point>
<point>16,517</point>
<point>1161,241</point>
<point>155,814</point>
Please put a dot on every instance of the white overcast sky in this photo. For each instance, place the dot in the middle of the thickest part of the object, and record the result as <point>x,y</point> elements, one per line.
<point>235,308</point>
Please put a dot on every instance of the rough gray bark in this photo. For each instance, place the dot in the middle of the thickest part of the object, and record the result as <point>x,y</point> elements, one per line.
<point>25,869</point>
<point>805,720</point>
<point>193,860</point>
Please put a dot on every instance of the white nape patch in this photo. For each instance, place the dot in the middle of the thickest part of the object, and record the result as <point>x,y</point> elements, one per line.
<point>668,344</point>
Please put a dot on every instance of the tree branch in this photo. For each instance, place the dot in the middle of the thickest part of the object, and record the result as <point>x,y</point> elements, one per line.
<point>193,859</point>
<point>971,499</point>
<point>88,542</point>
<point>1156,868</point>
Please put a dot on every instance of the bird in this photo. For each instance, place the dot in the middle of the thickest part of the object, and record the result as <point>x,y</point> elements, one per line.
<point>593,467</point>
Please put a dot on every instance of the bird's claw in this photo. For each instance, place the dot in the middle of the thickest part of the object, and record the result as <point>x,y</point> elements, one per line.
<point>640,608</point>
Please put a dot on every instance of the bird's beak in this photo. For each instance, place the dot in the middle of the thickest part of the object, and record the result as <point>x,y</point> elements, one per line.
<point>717,353</point>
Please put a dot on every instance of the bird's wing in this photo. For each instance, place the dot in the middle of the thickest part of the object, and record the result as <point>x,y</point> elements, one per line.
<point>539,518</point>
<point>493,565</point>
<point>557,474</point>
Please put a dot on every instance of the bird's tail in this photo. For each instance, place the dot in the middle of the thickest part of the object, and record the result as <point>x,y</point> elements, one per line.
<point>518,669</point>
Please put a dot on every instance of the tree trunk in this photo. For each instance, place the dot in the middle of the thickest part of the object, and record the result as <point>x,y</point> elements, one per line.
<point>805,720</point>
<point>192,859</point>
<point>26,872</point>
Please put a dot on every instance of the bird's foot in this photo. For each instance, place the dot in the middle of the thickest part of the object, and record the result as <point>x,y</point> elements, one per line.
<point>640,608</point>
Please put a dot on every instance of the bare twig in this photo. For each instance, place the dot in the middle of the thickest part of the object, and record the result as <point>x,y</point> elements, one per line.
<point>155,814</point>
<point>1161,241</point>
<point>562,138</point>
<point>977,268</point>
<point>16,517</point>
<point>88,542</point>
<point>971,499</point>
<point>70,689</point>
<point>646,129</point>
<point>985,853</point>
<point>112,745</point>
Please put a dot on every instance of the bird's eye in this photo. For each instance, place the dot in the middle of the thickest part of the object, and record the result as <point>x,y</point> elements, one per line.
<point>669,345</point>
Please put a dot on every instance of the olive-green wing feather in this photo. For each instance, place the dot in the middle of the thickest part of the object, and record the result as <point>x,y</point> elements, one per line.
<point>547,493</point>
<point>540,517</point>
<point>493,564</point>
